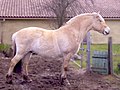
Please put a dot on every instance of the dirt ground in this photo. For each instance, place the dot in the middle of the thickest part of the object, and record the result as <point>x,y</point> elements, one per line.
<point>46,76</point>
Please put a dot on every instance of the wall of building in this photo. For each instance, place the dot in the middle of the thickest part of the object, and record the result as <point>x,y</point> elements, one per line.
<point>8,27</point>
<point>114,25</point>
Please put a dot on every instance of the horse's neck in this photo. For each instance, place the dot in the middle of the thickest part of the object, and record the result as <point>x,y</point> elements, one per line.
<point>80,29</point>
<point>83,31</point>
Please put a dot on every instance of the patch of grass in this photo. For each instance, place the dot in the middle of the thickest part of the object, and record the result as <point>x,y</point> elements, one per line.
<point>116,49</point>
<point>99,47</point>
<point>75,65</point>
<point>117,71</point>
<point>78,62</point>
<point>4,47</point>
<point>6,50</point>
<point>116,61</point>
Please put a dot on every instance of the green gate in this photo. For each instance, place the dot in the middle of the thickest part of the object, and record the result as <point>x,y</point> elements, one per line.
<point>100,62</point>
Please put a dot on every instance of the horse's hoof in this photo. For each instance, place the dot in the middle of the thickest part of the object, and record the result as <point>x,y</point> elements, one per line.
<point>9,82</point>
<point>68,83</point>
<point>27,79</point>
<point>64,81</point>
<point>9,79</point>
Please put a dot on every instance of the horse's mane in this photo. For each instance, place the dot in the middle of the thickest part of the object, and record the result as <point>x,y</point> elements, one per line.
<point>74,18</point>
<point>85,14</point>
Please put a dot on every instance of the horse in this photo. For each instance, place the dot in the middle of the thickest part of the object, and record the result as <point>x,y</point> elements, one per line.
<point>62,43</point>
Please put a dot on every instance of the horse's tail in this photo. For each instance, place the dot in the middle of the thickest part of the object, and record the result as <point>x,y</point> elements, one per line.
<point>18,66</point>
<point>14,47</point>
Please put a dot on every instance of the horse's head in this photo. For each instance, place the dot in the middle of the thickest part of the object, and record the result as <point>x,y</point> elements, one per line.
<point>99,24</point>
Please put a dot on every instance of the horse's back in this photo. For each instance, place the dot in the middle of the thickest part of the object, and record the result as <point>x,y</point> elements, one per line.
<point>29,30</point>
<point>28,33</point>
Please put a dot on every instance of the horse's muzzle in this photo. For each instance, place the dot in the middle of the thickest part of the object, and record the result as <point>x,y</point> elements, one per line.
<point>106,31</point>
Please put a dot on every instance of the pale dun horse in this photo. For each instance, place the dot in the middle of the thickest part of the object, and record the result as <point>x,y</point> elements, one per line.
<point>55,44</point>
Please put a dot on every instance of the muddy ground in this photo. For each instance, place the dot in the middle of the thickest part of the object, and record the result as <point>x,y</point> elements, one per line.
<point>46,76</point>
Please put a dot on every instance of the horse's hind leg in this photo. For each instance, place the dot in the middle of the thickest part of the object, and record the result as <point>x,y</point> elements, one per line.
<point>25,67</point>
<point>13,62</point>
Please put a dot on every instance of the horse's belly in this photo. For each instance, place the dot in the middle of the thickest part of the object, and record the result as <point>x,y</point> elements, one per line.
<point>46,46</point>
<point>48,52</point>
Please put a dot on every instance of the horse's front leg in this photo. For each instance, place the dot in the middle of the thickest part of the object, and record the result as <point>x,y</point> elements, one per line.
<point>25,68</point>
<point>13,62</point>
<point>64,68</point>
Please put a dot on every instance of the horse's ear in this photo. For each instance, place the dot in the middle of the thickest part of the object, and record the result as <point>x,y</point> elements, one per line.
<point>96,16</point>
<point>98,12</point>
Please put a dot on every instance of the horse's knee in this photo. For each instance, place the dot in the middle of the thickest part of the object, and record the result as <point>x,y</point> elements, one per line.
<point>65,68</point>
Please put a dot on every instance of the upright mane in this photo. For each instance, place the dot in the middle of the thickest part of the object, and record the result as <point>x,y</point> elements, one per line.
<point>78,16</point>
<point>81,15</point>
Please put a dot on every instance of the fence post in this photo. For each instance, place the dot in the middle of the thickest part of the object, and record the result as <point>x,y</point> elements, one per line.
<point>88,51</point>
<point>110,62</point>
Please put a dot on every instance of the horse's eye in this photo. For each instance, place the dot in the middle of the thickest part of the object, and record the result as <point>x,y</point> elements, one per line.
<point>100,20</point>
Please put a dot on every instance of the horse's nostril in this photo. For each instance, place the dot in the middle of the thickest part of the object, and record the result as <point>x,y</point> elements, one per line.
<point>106,31</point>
